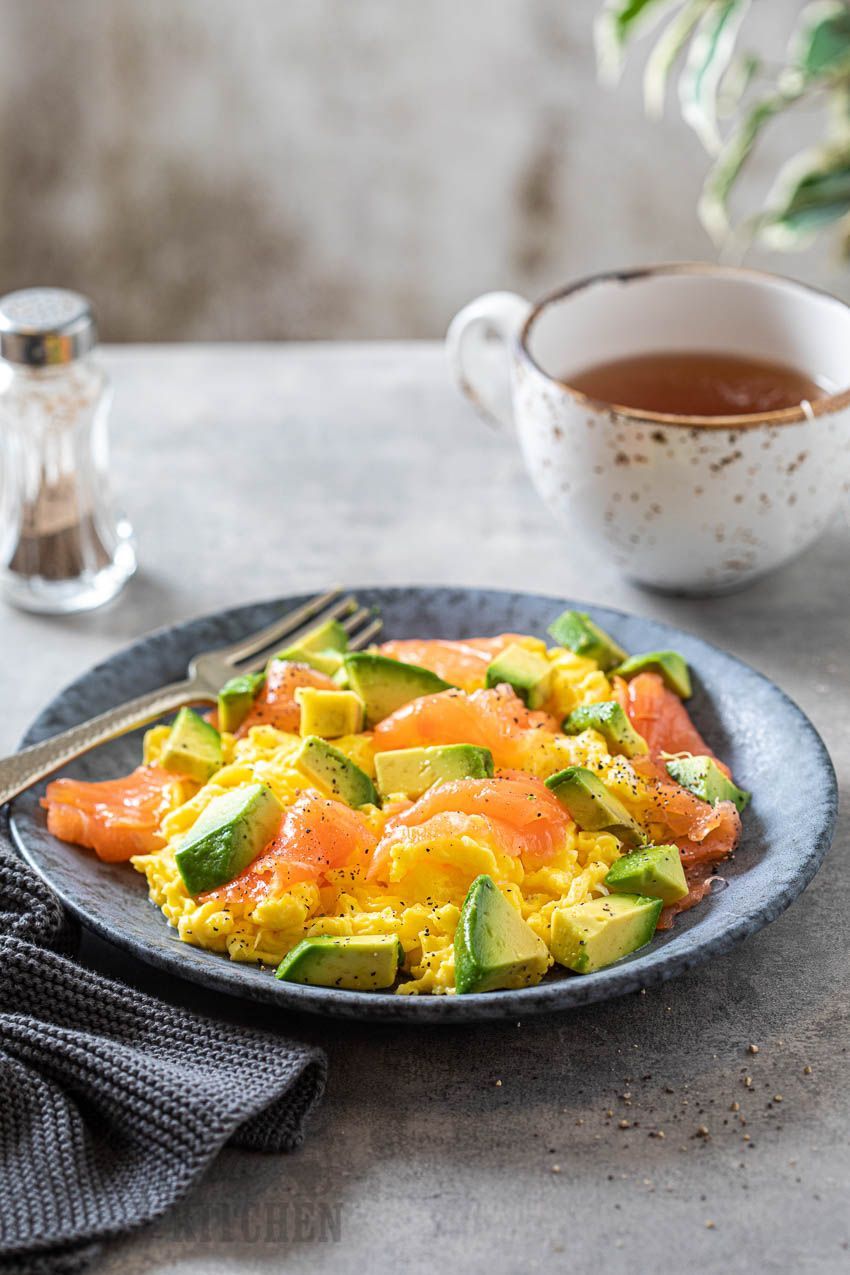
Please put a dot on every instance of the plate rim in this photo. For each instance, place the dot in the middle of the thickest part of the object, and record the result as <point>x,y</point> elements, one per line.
<point>654,967</point>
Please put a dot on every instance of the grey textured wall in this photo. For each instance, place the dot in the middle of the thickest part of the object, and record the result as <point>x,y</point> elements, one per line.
<point>286,168</point>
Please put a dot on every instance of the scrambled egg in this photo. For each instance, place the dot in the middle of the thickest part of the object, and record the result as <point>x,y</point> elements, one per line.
<point>421,904</point>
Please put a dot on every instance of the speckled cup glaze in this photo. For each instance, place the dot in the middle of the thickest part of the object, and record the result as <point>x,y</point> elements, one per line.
<point>687,504</point>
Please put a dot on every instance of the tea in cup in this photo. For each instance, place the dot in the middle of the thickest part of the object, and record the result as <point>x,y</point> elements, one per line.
<point>693,420</point>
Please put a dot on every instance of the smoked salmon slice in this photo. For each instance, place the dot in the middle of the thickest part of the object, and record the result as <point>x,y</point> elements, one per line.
<point>699,878</point>
<point>701,831</point>
<point>463,663</point>
<point>276,705</point>
<point>116,818</point>
<point>716,842</point>
<point>660,717</point>
<point>705,834</point>
<point>496,719</point>
<point>681,812</point>
<point>519,801</point>
<point>513,812</point>
<point>316,836</point>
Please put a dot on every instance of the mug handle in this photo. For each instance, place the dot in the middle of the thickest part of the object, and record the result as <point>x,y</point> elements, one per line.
<point>469,341</point>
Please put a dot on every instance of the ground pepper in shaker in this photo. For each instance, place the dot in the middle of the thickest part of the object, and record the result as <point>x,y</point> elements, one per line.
<point>62,548</point>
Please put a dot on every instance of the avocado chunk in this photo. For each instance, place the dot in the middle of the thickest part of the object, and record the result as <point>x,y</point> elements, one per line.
<point>704,778</point>
<point>593,807</point>
<point>227,836</point>
<point>236,699</point>
<point>330,636</point>
<point>327,662</point>
<point>322,648</point>
<point>494,947</point>
<point>589,936</point>
<point>611,723</point>
<point>193,748</point>
<point>413,771</point>
<point>329,713</point>
<point>385,685</point>
<point>334,773</point>
<point>576,631</point>
<point>359,963</point>
<point>672,667</point>
<point>654,871</point>
<point>529,673</point>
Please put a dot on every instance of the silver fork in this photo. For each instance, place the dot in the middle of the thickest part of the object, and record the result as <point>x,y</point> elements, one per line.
<point>208,672</point>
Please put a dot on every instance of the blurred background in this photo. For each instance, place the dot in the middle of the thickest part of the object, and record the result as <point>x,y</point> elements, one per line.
<point>260,169</point>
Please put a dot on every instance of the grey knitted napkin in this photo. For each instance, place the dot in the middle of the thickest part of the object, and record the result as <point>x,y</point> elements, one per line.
<point>112,1104</point>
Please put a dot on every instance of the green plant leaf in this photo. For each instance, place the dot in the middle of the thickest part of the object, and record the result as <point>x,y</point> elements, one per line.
<point>618,22</point>
<point>820,47</point>
<point>839,115</point>
<point>667,48</point>
<point>743,69</point>
<point>812,190</point>
<point>714,201</point>
<point>711,51</point>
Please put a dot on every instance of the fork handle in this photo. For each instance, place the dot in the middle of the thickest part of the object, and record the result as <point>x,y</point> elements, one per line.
<point>25,768</point>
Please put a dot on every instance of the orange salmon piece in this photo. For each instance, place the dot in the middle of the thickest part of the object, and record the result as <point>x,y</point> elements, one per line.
<point>275,705</point>
<point>496,719</point>
<point>699,878</point>
<point>463,663</point>
<point>660,717</point>
<point>316,836</point>
<point>116,818</point>
<point>515,813</point>
<point>682,813</point>
<point>716,842</point>
<point>519,801</point>
<point>701,831</point>
<point>705,834</point>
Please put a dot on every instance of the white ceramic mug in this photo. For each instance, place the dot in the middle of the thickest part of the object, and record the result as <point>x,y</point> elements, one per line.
<point>688,504</point>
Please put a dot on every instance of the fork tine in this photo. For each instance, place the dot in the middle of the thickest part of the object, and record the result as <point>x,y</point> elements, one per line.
<point>319,608</point>
<point>337,612</point>
<point>365,636</point>
<point>356,641</point>
<point>354,621</point>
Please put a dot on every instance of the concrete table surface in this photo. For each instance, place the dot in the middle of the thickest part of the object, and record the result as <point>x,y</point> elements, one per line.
<point>251,471</point>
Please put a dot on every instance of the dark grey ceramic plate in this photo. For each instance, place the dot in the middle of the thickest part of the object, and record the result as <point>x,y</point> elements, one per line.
<point>745,718</point>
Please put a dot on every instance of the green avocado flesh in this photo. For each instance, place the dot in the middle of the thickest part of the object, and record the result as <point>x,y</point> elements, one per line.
<point>589,936</point>
<point>529,673</point>
<point>334,773</point>
<point>327,662</point>
<point>593,807</point>
<point>413,771</point>
<point>576,631</point>
<point>654,871</point>
<point>322,648</point>
<point>494,947</point>
<point>236,699</point>
<point>359,963</point>
<point>385,685</point>
<point>704,778</point>
<point>611,723</point>
<point>193,747</point>
<point>330,636</point>
<point>670,665</point>
<point>227,836</point>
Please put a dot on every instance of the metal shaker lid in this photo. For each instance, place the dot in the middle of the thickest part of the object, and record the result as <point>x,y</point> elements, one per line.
<point>45,326</point>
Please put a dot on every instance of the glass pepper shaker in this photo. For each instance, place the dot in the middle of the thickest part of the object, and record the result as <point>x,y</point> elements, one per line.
<point>62,548</point>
